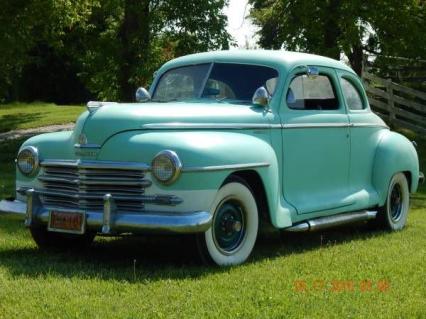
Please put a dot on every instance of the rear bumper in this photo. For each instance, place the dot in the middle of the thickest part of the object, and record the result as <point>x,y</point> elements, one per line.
<point>421,178</point>
<point>109,222</point>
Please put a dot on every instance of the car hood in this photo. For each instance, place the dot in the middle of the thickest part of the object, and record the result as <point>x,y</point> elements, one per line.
<point>111,119</point>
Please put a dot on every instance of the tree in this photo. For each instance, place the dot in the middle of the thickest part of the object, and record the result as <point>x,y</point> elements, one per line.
<point>332,27</point>
<point>26,24</point>
<point>109,47</point>
<point>127,40</point>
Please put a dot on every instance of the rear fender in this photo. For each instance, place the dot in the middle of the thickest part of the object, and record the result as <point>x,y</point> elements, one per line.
<point>394,154</point>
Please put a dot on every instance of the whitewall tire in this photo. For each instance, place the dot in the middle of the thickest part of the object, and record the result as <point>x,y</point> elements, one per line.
<point>232,236</point>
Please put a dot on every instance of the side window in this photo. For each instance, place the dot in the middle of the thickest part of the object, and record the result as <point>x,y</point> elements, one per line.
<point>351,94</point>
<point>311,93</point>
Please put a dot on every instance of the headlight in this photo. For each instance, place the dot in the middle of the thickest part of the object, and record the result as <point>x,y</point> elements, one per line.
<point>28,160</point>
<point>166,167</point>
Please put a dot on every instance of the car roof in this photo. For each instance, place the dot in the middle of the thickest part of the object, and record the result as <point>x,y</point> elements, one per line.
<point>273,58</point>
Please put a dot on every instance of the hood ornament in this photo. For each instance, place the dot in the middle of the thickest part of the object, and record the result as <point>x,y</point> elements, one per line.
<point>92,106</point>
<point>82,139</point>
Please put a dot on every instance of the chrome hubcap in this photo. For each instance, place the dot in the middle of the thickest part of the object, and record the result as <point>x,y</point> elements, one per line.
<point>229,226</point>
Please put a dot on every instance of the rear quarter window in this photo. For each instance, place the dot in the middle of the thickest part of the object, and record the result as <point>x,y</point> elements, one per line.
<point>352,96</point>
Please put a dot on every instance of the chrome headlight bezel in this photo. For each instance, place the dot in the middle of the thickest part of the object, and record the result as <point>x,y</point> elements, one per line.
<point>30,152</point>
<point>175,164</point>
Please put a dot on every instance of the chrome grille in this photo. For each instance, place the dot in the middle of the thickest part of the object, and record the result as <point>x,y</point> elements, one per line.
<point>78,185</point>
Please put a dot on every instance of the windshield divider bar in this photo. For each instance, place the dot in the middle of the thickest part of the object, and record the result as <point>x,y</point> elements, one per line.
<point>205,80</point>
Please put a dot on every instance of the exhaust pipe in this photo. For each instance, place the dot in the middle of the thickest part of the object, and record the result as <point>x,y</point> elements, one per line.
<point>332,221</point>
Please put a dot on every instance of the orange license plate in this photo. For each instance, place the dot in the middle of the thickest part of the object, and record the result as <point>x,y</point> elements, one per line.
<point>67,222</point>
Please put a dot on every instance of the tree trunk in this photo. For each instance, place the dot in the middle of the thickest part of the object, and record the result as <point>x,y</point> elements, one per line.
<point>355,58</point>
<point>332,30</point>
<point>134,37</point>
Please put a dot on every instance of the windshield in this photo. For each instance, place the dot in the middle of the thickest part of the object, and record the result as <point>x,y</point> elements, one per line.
<point>219,81</point>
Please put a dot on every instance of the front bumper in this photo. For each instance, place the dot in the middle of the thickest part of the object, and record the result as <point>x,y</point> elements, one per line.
<point>110,222</point>
<point>421,178</point>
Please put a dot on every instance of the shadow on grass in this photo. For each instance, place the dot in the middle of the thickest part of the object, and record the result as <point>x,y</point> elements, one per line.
<point>299,243</point>
<point>137,259</point>
<point>10,122</point>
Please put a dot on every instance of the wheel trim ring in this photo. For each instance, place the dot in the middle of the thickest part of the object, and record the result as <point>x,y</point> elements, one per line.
<point>243,231</point>
<point>396,202</point>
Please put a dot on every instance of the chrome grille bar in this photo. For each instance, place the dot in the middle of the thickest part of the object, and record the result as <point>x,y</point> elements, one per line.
<point>83,185</point>
<point>97,164</point>
<point>151,199</point>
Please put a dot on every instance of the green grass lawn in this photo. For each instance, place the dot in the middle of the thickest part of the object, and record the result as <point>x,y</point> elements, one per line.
<point>23,115</point>
<point>350,272</point>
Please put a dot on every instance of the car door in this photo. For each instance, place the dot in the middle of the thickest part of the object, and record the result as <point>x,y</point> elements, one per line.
<point>365,128</point>
<point>316,144</point>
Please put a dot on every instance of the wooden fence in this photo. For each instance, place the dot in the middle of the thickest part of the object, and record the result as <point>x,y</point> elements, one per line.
<point>398,105</point>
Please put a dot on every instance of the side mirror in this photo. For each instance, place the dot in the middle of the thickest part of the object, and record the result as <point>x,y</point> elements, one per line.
<point>261,97</point>
<point>142,95</point>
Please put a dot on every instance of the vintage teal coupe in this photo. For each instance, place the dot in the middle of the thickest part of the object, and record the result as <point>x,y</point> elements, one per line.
<point>222,142</point>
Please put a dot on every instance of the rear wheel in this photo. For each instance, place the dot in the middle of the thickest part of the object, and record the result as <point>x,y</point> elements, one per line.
<point>52,240</point>
<point>233,233</point>
<point>393,215</point>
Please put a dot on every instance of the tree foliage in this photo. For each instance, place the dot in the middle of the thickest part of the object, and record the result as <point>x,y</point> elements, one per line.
<point>108,47</point>
<point>25,24</point>
<point>127,40</point>
<point>332,27</point>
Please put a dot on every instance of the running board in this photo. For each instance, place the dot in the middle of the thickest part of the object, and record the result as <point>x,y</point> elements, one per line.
<point>332,221</point>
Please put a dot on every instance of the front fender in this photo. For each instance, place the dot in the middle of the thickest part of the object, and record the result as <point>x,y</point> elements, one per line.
<point>57,145</point>
<point>220,152</point>
<point>394,154</point>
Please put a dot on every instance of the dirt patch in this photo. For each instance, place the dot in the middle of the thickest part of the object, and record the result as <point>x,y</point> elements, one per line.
<point>34,131</point>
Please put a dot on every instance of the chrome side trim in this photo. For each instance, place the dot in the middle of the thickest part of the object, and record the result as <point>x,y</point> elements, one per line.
<point>87,146</point>
<point>331,125</point>
<point>368,125</point>
<point>314,125</point>
<point>208,126</point>
<point>223,167</point>
<point>253,126</point>
<point>98,164</point>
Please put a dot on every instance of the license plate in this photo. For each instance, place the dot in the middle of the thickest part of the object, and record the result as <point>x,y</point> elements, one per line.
<point>67,222</point>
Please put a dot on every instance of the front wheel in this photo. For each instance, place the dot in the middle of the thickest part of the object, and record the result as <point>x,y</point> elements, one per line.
<point>393,215</point>
<point>231,238</point>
